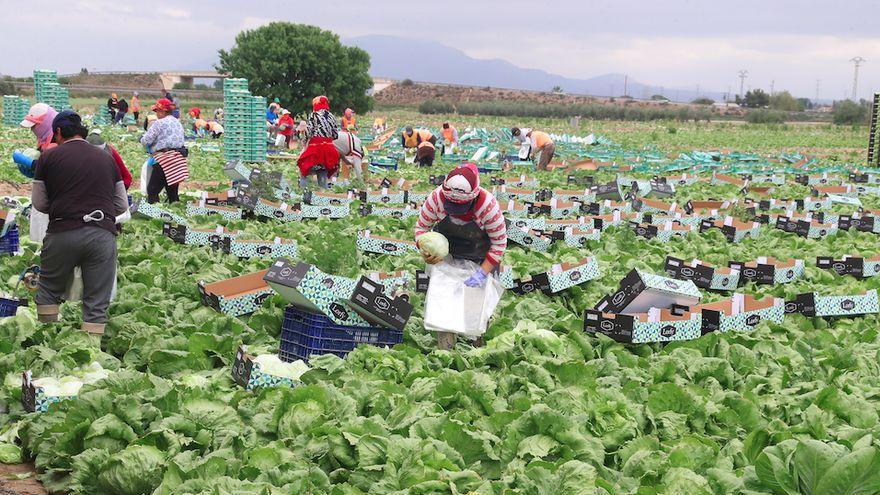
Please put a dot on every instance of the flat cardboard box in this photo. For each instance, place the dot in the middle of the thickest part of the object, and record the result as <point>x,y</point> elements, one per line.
<point>574,195</point>
<point>639,291</point>
<point>769,271</point>
<point>578,237</point>
<point>309,288</point>
<point>704,275</point>
<point>327,198</point>
<point>369,243</point>
<point>34,398</point>
<point>238,295</point>
<point>152,211</point>
<point>856,266</point>
<point>376,304</point>
<point>742,312</point>
<point>660,325</point>
<point>380,211</point>
<point>214,238</point>
<point>734,230</point>
<point>278,210</point>
<point>663,232</point>
<point>203,208</point>
<point>812,304</point>
<point>248,374</point>
<point>529,239</point>
<point>275,248</point>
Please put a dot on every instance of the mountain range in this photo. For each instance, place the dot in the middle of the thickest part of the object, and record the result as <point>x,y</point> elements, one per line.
<point>428,61</point>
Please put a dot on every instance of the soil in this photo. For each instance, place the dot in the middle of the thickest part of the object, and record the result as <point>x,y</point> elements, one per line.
<point>27,486</point>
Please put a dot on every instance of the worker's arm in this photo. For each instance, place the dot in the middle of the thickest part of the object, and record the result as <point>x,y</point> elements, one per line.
<point>149,137</point>
<point>39,193</point>
<point>489,217</point>
<point>120,199</point>
<point>429,215</point>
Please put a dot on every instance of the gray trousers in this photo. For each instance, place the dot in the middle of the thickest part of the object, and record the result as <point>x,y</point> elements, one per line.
<point>93,249</point>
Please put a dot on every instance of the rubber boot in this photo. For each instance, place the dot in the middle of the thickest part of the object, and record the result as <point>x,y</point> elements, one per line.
<point>47,313</point>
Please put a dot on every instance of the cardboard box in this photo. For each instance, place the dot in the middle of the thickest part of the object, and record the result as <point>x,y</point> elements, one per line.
<point>152,211</point>
<point>734,230</point>
<point>183,234</point>
<point>265,179</point>
<point>682,180</point>
<point>512,209</point>
<point>639,187</point>
<point>660,219</point>
<point>610,190</point>
<point>422,281</point>
<point>279,211</point>
<point>238,295</point>
<point>660,325</point>
<point>237,171</point>
<point>275,248</point>
<point>578,237</point>
<point>34,398</point>
<point>866,223</point>
<point>742,312</point>
<point>661,189</point>
<point>248,374</point>
<point>308,288</point>
<point>555,208</point>
<point>566,275</point>
<point>703,275</point>
<point>580,180</point>
<point>327,198</point>
<point>769,271</point>
<point>574,195</point>
<point>224,198</point>
<point>856,266</point>
<point>202,208</point>
<point>662,232</point>
<point>809,229</point>
<point>811,304</point>
<point>607,206</point>
<point>864,178</point>
<point>392,281</point>
<point>325,211</point>
<point>383,196</point>
<point>638,292</point>
<point>721,179</point>
<point>775,179</point>
<point>537,223</point>
<point>713,207</point>
<point>836,190</point>
<point>813,180</point>
<point>527,238</point>
<point>603,222</point>
<point>850,200</point>
<point>379,211</point>
<point>7,221</point>
<point>368,243</point>
<point>504,193</point>
<point>522,181</point>
<point>378,305</point>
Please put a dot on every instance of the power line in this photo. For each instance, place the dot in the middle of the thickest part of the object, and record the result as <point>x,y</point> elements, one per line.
<point>742,80</point>
<point>857,61</point>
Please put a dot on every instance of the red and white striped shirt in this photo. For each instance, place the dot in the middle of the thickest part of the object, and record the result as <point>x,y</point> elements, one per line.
<point>486,214</point>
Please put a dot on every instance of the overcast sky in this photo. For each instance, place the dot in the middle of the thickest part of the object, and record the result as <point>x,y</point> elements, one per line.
<point>671,43</point>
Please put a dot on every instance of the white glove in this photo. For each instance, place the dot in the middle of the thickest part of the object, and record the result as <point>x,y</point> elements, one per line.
<point>126,216</point>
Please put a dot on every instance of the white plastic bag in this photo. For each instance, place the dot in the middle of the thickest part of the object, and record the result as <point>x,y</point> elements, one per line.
<point>146,172</point>
<point>451,306</point>
<point>524,150</point>
<point>75,287</point>
<point>279,140</point>
<point>39,223</point>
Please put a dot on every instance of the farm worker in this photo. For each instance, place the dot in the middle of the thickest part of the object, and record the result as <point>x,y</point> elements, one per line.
<point>112,105</point>
<point>520,134</point>
<point>215,129</point>
<point>218,114</point>
<point>425,153</point>
<point>195,113</point>
<point>471,220</point>
<point>411,138</point>
<point>271,114</point>
<point>39,121</point>
<point>286,125</point>
<point>80,188</point>
<point>164,141</point>
<point>199,126</point>
<point>351,152</point>
<point>174,101</point>
<point>300,130</point>
<point>121,110</point>
<point>450,134</point>
<point>348,122</point>
<point>543,148</point>
<point>135,106</point>
<point>378,125</point>
<point>95,139</point>
<point>320,157</point>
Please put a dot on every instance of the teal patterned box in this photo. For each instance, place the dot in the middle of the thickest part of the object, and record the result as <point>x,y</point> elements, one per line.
<point>607,206</point>
<point>536,223</point>
<point>645,205</point>
<point>566,275</point>
<point>34,398</point>
<point>577,237</point>
<point>742,312</point>
<point>384,196</point>
<point>307,287</point>
<point>818,230</point>
<point>381,211</point>
<point>505,277</point>
<point>527,238</point>
<point>238,295</point>
<point>768,179</point>
<point>237,170</point>
<point>329,199</point>
<point>392,281</point>
<point>201,209</point>
<point>248,374</point>
<point>512,209</point>
<point>658,325</point>
<point>626,182</point>
<point>683,179</point>
<point>287,196</point>
<point>276,248</point>
<point>279,211</point>
<point>153,211</point>
<point>416,197</point>
<point>579,196</point>
<point>369,243</point>
<point>662,232</point>
<point>563,209</point>
<point>847,305</point>
<point>328,211</point>
<point>504,193</point>
<point>183,234</point>
<point>815,204</point>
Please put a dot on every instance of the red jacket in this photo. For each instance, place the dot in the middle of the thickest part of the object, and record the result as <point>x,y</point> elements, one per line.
<point>286,125</point>
<point>123,170</point>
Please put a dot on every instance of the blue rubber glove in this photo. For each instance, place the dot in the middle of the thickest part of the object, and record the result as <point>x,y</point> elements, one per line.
<point>478,279</point>
<point>25,164</point>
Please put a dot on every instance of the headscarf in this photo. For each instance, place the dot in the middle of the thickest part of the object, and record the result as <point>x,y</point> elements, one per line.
<point>42,128</point>
<point>320,103</point>
<point>462,185</point>
<point>349,112</point>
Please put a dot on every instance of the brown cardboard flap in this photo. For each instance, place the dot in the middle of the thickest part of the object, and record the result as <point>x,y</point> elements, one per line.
<point>665,315</point>
<point>214,231</point>
<point>559,204</point>
<point>653,203</point>
<point>749,304</point>
<point>562,223</point>
<point>514,190</point>
<point>568,266</point>
<point>737,224</point>
<point>583,231</point>
<point>568,192</point>
<point>710,205</point>
<point>773,261</point>
<point>215,207</point>
<point>730,179</point>
<point>832,189</point>
<point>514,207</point>
<point>238,286</point>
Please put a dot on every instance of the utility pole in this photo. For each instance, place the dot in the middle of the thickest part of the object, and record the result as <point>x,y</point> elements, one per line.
<point>625,80</point>
<point>772,84</point>
<point>742,80</point>
<point>816,101</point>
<point>857,61</point>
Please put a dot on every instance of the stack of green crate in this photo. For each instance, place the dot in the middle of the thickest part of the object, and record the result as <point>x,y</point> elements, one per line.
<point>14,109</point>
<point>244,123</point>
<point>47,90</point>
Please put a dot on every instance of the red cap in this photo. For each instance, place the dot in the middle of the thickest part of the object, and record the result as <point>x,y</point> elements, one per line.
<point>320,103</point>
<point>163,104</point>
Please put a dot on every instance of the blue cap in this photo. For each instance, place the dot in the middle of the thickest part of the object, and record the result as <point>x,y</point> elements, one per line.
<point>67,118</point>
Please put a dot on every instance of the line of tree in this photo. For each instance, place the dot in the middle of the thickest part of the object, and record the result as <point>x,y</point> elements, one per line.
<point>589,111</point>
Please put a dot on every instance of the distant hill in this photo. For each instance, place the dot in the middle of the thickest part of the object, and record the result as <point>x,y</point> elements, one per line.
<point>429,61</point>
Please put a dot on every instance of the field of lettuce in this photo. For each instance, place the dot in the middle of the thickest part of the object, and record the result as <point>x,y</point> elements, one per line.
<point>542,409</point>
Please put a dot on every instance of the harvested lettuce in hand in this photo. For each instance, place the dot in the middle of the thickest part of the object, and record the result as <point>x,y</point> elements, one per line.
<point>434,244</point>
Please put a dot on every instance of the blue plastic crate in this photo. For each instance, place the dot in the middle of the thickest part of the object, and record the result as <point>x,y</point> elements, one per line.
<point>9,242</point>
<point>304,334</point>
<point>8,307</point>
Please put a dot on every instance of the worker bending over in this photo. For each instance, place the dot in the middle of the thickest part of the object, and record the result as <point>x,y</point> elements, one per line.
<point>412,138</point>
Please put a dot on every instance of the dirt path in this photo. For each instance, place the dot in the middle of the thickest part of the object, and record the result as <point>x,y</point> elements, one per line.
<point>27,486</point>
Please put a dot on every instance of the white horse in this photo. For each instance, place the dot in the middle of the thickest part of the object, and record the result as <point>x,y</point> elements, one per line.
<point>350,151</point>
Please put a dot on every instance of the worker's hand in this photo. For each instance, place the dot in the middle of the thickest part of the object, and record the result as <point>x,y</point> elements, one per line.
<point>478,279</point>
<point>431,260</point>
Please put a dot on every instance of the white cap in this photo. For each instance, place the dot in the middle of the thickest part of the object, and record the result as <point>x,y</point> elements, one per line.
<point>36,111</point>
<point>285,112</point>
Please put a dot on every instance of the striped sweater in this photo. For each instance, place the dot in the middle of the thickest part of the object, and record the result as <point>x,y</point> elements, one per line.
<point>486,214</point>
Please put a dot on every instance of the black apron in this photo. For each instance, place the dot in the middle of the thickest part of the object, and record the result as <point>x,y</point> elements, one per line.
<point>467,241</point>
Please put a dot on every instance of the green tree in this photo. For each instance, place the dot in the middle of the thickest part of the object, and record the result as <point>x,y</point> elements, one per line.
<point>296,62</point>
<point>703,101</point>
<point>754,99</point>
<point>848,112</point>
<point>785,102</point>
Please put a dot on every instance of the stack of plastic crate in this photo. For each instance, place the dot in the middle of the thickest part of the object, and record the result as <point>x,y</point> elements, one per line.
<point>14,109</point>
<point>47,90</point>
<point>244,123</point>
